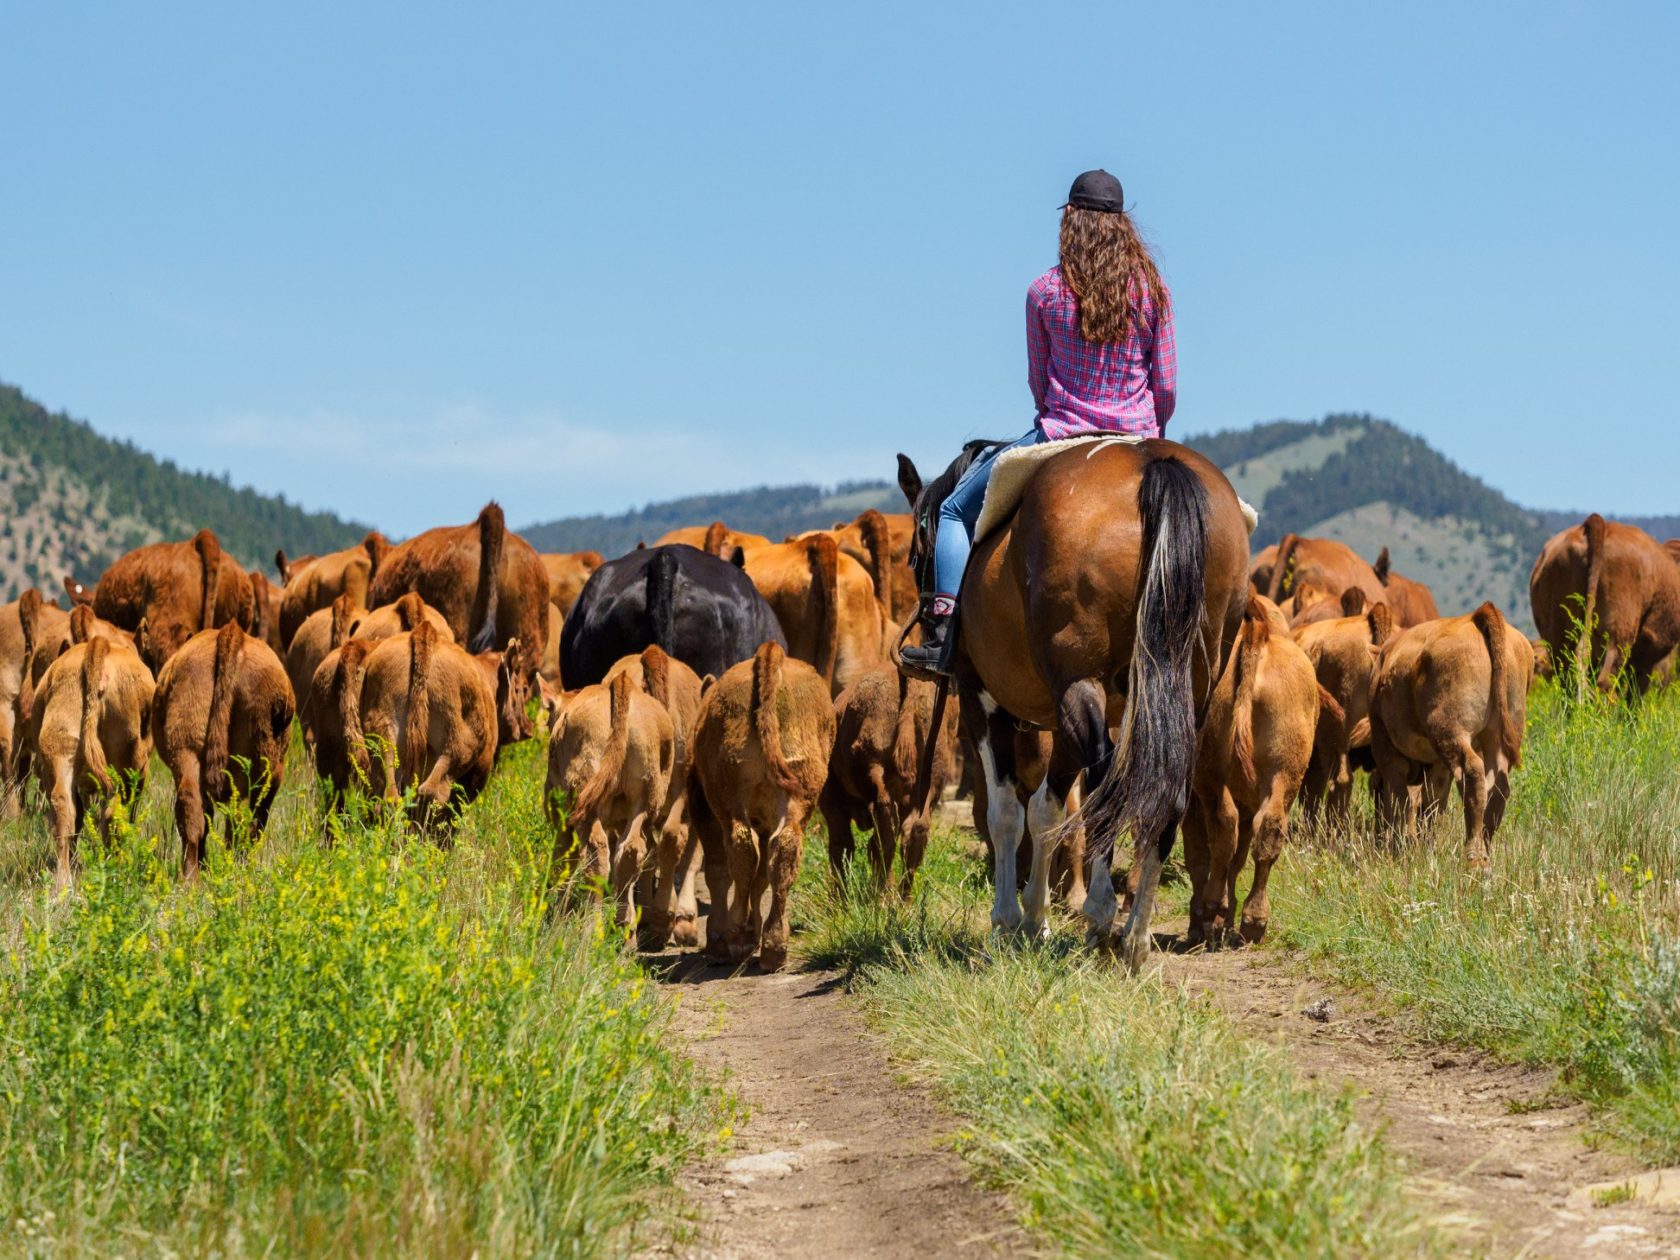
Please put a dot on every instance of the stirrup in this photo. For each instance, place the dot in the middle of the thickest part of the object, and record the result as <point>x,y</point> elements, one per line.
<point>941,667</point>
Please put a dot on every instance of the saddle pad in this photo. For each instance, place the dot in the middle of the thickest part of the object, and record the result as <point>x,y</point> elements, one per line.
<point>1012,470</point>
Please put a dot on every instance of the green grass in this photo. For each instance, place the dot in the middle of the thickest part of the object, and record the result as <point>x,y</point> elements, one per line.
<point>1124,1117</point>
<point>372,1046</point>
<point>1569,956</point>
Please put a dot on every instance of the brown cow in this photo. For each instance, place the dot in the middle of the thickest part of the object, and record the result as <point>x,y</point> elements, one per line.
<point>1260,569</point>
<point>567,572</point>
<point>825,602</point>
<point>322,633</point>
<point>611,750</point>
<point>668,894</point>
<point>221,715</point>
<point>85,624</point>
<point>881,728</point>
<point>489,584</point>
<point>873,543</point>
<point>1255,745</point>
<point>399,618</point>
<point>33,634</point>
<point>91,733</point>
<point>176,588</point>
<point>716,539</point>
<point>1412,603</point>
<point>1350,603</point>
<point>1451,699</point>
<point>265,611</point>
<point>1344,660</point>
<point>1323,563</point>
<point>762,747</point>
<point>314,582</point>
<point>1617,579</point>
<point>427,701</point>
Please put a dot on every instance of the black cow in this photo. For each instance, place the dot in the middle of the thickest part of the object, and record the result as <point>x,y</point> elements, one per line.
<point>702,610</point>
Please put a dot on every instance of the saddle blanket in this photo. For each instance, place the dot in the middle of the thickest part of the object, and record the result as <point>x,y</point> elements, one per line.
<point>1012,470</point>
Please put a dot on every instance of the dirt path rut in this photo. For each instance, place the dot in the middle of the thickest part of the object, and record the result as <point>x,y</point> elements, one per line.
<point>1496,1158</point>
<point>837,1157</point>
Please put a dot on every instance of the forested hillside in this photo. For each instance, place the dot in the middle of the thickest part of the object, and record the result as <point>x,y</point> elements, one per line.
<point>71,501</point>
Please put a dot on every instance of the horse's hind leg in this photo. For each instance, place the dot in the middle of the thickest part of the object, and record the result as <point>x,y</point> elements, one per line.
<point>1134,940</point>
<point>1047,815</point>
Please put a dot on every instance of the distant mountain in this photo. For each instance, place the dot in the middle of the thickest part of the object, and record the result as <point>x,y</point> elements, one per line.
<point>774,511</point>
<point>72,501</point>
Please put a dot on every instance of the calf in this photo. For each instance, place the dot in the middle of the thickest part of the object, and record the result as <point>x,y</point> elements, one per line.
<point>1343,656</point>
<point>33,634</point>
<point>611,751</point>
<point>221,715</point>
<point>762,746</point>
<point>668,894</point>
<point>1451,700</point>
<point>882,724</point>
<point>91,732</point>
<point>427,700</point>
<point>1256,741</point>
<point>322,632</point>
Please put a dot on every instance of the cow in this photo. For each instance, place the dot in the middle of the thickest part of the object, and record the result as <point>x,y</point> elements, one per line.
<point>701,610</point>
<point>265,610</point>
<point>221,715</point>
<point>33,634</point>
<point>826,604</point>
<point>762,746</point>
<point>550,667</point>
<point>1350,603</point>
<point>399,617</point>
<point>567,572</point>
<point>176,588</point>
<point>488,583</point>
<point>609,775</point>
<point>322,632</point>
<point>1620,581</point>
<point>873,541</point>
<point>314,582</point>
<point>882,725</point>
<point>1254,748</point>
<point>86,624</point>
<point>1343,656</point>
<point>716,539</point>
<point>1451,700</point>
<point>1412,603</point>
<point>1323,563</point>
<point>91,734</point>
<point>668,894</point>
<point>426,703</point>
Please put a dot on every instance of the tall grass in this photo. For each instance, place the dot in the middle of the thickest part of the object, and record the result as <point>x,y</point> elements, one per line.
<point>1569,955</point>
<point>372,1046</point>
<point>1124,1116</point>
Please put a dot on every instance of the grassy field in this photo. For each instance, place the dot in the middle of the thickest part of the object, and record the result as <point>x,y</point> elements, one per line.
<point>370,1047</point>
<point>1570,954</point>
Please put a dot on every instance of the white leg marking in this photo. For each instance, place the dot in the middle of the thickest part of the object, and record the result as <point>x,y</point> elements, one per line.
<point>1044,816</point>
<point>1100,905</point>
<point>1005,820</point>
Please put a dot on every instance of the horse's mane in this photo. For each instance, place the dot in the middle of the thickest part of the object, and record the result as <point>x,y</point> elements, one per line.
<point>939,489</point>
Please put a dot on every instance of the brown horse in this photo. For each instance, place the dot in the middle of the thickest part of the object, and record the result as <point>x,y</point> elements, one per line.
<point>1113,592</point>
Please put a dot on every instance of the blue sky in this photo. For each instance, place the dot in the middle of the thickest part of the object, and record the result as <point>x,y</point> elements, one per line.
<point>397,259</point>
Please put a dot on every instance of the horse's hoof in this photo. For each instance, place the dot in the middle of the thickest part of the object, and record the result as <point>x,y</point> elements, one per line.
<point>772,959</point>
<point>1252,933</point>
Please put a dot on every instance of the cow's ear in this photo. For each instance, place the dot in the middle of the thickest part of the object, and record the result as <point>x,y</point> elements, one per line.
<point>909,480</point>
<point>1380,568</point>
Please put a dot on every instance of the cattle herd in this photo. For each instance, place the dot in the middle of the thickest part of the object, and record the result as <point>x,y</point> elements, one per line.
<point>705,694</point>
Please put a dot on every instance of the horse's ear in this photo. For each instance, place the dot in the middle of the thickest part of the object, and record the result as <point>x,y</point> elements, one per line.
<point>909,480</point>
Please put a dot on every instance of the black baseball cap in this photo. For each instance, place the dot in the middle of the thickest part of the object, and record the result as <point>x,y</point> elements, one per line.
<point>1097,190</point>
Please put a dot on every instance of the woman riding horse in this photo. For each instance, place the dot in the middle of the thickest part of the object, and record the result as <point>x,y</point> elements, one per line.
<point>1100,359</point>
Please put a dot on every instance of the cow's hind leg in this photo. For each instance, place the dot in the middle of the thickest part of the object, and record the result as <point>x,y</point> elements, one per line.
<point>705,828</point>
<point>1473,790</point>
<point>61,804</point>
<point>785,849</point>
<point>837,821</point>
<point>1270,831</point>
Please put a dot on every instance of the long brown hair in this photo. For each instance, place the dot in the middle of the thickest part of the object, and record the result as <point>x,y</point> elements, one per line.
<point>1107,265</point>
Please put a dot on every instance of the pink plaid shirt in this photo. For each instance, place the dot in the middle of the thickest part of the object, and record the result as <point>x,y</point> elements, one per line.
<point>1080,386</point>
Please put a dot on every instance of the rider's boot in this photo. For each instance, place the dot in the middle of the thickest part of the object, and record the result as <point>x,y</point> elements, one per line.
<point>931,659</point>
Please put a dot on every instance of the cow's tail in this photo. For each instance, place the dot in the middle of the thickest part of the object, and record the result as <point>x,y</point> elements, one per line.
<point>877,543</point>
<point>716,542</point>
<point>1329,705</point>
<point>210,571</point>
<point>29,620</point>
<point>1381,567</point>
<point>93,691</point>
<point>914,726</point>
<point>1594,529</point>
<point>1145,788</point>
<point>1379,619</point>
<point>492,539</point>
<point>822,553</point>
<point>259,605</point>
<point>343,613</point>
<point>347,700</point>
<point>1283,569</point>
<point>766,722</point>
<point>1491,623</point>
<point>411,611</point>
<point>611,766</point>
<point>1252,637</point>
<point>377,547</point>
<point>417,727</point>
<point>662,599</point>
<point>224,680</point>
<point>656,674</point>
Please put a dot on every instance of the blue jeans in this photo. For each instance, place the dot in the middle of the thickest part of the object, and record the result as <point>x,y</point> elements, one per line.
<point>958,514</point>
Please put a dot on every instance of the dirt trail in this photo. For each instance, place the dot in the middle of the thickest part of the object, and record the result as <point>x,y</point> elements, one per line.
<point>1495,1158</point>
<point>838,1157</point>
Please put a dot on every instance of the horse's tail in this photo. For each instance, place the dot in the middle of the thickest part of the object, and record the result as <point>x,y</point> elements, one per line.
<point>1146,786</point>
<point>1282,570</point>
